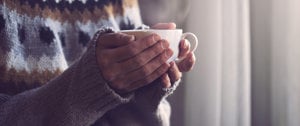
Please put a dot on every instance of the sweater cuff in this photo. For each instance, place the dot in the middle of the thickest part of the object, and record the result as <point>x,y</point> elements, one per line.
<point>170,90</point>
<point>88,85</point>
<point>150,97</point>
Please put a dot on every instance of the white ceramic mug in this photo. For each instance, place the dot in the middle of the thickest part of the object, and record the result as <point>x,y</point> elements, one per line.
<point>172,36</point>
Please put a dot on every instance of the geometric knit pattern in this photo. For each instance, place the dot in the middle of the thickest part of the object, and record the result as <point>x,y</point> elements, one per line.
<point>39,39</point>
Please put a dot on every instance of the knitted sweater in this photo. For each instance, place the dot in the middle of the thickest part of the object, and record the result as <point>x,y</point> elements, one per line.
<point>48,68</point>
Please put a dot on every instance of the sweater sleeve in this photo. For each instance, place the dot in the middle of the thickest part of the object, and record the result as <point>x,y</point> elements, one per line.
<point>152,104</point>
<point>78,97</point>
<point>149,107</point>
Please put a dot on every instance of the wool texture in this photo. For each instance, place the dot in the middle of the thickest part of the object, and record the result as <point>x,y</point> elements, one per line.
<point>48,69</point>
<point>40,39</point>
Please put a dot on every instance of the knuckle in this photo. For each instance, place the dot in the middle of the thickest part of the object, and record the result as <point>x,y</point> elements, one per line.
<point>150,40</point>
<point>132,50</point>
<point>136,61</point>
<point>144,71</point>
<point>158,48</point>
<point>162,58</point>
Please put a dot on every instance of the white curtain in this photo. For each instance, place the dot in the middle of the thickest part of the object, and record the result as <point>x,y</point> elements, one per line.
<point>285,62</point>
<point>218,89</point>
<point>275,62</point>
<point>248,70</point>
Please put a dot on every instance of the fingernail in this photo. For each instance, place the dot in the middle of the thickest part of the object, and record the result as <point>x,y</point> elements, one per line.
<point>164,44</point>
<point>168,84</point>
<point>131,38</point>
<point>172,63</point>
<point>127,37</point>
<point>185,43</point>
<point>169,53</point>
<point>173,24</point>
<point>192,59</point>
<point>156,37</point>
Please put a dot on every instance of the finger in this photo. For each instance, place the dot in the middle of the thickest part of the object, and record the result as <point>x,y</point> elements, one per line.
<point>125,52</point>
<point>165,80</point>
<point>184,48</point>
<point>144,57</point>
<point>147,69</point>
<point>174,73</point>
<point>187,63</point>
<point>113,40</point>
<point>149,79</point>
<point>164,26</point>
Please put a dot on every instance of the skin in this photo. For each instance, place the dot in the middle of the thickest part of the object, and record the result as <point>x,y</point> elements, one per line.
<point>128,64</point>
<point>187,59</point>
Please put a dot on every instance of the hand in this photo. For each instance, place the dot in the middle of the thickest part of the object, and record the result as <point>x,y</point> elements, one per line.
<point>151,95</point>
<point>128,64</point>
<point>185,64</point>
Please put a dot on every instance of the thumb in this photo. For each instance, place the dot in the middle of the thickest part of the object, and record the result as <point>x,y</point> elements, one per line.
<point>164,26</point>
<point>113,40</point>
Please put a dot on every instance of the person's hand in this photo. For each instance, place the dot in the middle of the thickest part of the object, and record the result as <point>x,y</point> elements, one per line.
<point>150,96</point>
<point>186,56</point>
<point>129,64</point>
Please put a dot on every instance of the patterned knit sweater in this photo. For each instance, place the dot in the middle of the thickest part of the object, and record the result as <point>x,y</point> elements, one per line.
<point>48,69</point>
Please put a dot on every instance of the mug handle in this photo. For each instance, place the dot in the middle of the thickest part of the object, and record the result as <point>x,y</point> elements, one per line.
<point>194,40</point>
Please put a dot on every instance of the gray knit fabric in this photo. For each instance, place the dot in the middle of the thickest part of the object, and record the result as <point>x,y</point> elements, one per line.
<point>48,68</point>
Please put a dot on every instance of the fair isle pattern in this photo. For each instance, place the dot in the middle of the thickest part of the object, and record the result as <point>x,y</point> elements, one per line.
<point>39,39</point>
<point>74,10</point>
